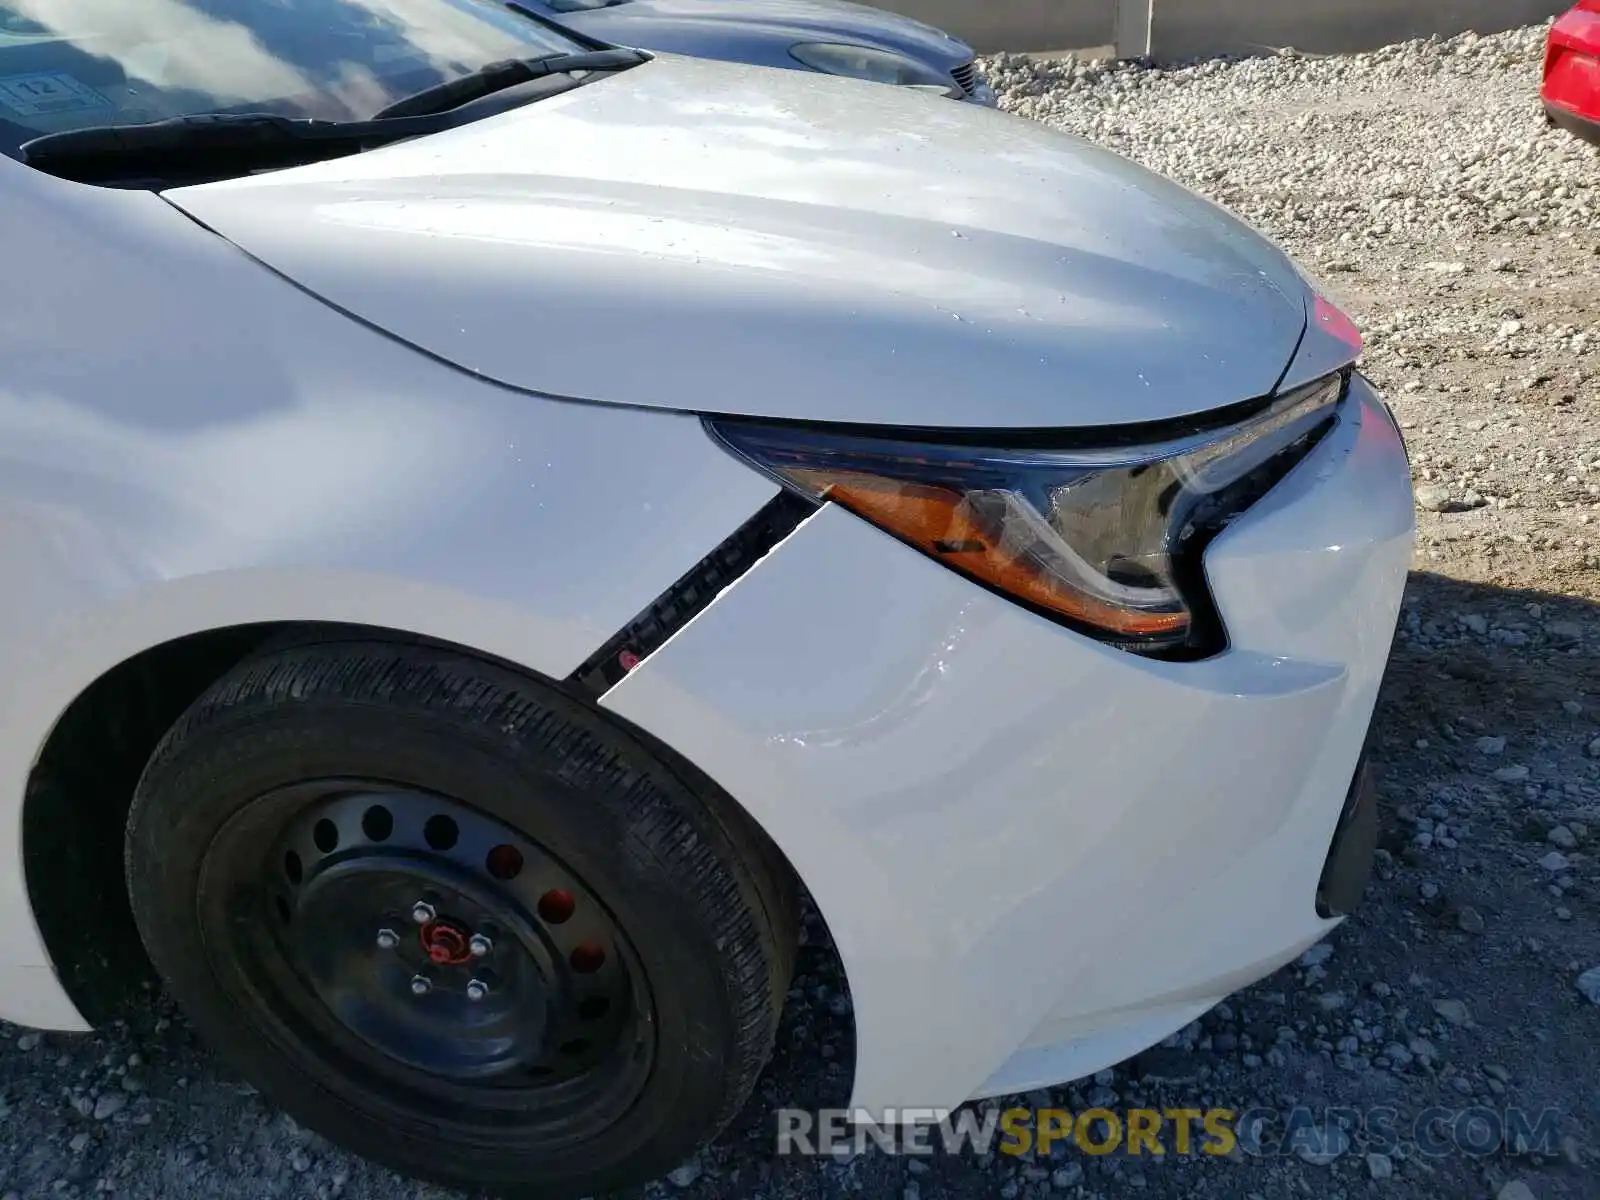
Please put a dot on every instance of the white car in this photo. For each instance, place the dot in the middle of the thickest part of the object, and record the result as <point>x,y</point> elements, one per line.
<point>466,569</point>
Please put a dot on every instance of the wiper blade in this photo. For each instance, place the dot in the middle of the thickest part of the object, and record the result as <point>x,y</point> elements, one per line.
<point>216,145</point>
<point>259,137</point>
<point>498,76</point>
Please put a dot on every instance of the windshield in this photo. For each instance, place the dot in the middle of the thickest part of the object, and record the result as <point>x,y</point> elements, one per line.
<point>70,64</point>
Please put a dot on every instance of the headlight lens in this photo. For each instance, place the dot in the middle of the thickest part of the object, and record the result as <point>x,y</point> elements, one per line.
<point>1106,539</point>
<point>866,62</point>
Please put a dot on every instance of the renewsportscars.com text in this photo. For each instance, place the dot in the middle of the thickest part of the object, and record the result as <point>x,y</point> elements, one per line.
<point>1219,1132</point>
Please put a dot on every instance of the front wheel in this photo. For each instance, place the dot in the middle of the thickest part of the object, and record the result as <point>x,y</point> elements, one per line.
<point>453,920</point>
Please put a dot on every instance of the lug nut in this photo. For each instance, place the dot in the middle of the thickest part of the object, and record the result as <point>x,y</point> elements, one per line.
<point>479,945</point>
<point>422,912</point>
<point>388,939</point>
<point>421,985</point>
<point>477,989</point>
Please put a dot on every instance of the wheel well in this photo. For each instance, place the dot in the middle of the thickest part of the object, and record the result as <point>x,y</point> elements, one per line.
<point>76,807</point>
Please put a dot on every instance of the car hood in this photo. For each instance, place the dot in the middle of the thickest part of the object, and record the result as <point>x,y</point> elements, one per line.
<point>702,236</point>
<point>664,22</point>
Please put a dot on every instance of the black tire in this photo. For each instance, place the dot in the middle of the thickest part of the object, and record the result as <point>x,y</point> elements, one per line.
<point>696,906</point>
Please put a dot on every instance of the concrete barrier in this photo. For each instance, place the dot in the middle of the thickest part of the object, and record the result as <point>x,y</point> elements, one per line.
<point>1174,29</point>
<point>1192,28</point>
<point>991,25</point>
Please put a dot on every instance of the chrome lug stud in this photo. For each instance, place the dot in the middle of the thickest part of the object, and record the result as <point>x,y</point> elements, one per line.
<point>388,939</point>
<point>422,912</point>
<point>477,989</point>
<point>421,985</point>
<point>479,945</point>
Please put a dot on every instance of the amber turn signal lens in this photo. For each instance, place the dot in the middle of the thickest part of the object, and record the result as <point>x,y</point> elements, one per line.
<point>941,523</point>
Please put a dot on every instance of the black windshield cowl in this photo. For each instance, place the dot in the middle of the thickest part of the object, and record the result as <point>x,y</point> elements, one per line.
<point>209,146</point>
<point>498,76</point>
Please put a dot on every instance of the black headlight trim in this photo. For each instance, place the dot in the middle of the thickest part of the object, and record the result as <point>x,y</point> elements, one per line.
<point>788,452</point>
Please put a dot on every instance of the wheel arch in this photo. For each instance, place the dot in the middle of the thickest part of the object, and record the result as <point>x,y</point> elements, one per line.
<point>75,806</point>
<point>81,783</point>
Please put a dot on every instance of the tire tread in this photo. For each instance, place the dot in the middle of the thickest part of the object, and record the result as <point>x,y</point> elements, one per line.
<point>675,823</point>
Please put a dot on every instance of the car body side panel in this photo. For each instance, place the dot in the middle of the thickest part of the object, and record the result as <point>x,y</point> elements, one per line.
<point>189,442</point>
<point>1034,852</point>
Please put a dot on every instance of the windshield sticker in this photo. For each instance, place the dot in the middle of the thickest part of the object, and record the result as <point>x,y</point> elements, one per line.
<point>45,93</point>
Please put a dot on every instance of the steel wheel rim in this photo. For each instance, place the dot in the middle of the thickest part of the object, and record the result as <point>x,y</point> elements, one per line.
<point>300,894</point>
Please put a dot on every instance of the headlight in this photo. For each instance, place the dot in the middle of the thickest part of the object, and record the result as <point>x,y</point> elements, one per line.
<point>1105,537</point>
<point>865,62</point>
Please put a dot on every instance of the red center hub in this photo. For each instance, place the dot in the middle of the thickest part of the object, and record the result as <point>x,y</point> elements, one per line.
<point>445,944</point>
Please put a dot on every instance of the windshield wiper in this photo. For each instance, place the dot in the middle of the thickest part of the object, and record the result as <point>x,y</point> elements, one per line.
<point>220,145</point>
<point>215,143</point>
<point>497,76</point>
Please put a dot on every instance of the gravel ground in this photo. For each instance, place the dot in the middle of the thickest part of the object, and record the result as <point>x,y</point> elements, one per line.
<point>1420,183</point>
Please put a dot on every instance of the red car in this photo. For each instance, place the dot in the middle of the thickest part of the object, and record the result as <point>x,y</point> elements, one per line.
<point>1571,90</point>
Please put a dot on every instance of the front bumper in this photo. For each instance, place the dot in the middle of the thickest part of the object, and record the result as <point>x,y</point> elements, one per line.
<point>973,89</point>
<point>1570,87</point>
<point>981,93</point>
<point>1038,855</point>
<point>1574,123</point>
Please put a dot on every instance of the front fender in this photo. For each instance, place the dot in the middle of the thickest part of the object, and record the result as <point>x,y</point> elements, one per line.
<point>188,442</point>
